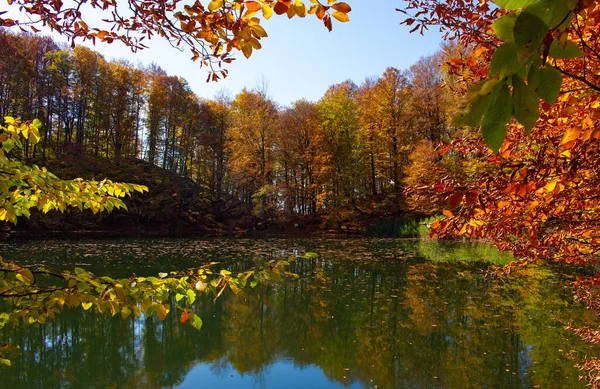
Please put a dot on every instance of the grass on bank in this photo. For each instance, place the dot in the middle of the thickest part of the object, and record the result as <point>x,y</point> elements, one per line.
<point>397,228</point>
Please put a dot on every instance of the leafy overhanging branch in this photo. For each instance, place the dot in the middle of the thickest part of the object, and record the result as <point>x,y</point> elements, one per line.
<point>529,40</point>
<point>37,293</point>
<point>212,31</point>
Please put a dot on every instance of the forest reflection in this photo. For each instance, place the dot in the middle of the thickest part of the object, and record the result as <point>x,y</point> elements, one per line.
<point>395,323</point>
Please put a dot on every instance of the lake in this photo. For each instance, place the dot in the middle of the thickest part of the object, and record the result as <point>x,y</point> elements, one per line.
<point>365,313</point>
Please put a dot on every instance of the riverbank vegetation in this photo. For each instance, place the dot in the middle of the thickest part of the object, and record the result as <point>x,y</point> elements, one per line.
<point>498,131</point>
<point>349,154</point>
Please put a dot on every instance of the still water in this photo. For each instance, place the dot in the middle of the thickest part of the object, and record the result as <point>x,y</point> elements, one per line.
<point>365,313</point>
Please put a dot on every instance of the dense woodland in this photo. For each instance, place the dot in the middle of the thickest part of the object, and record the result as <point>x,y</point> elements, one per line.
<point>518,165</point>
<point>355,143</point>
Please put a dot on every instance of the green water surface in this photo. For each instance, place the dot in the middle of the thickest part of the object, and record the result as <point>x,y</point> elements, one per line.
<point>365,313</point>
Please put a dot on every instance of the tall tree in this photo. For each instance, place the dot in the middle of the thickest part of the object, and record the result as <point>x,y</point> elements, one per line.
<point>251,142</point>
<point>339,119</point>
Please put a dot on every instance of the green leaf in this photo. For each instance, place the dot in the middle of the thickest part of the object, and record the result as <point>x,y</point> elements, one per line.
<point>550,81</point>
<point>5,362</point>
<point>79,271</point>
<point>83,287</point>
<point>151,309</point>
<point>533,77</point>
<point>196,322</point>
<point>529,31</point>
<point>514,4</point>
<point>311,254</point>
<point>8,145</point>
<point>499,112</point>
<point>505,60</point>
<point>125,312</point>
<point>504,26</point>
<point>552,12</point>
<point>526,104</point>
<point>191,296</point>
<point>25,276</point>
<point>473,114</point>
<point>569,51</point>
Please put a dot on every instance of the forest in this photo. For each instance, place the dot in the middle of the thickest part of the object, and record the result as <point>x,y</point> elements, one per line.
<point>356,143</point>
<point>492,139</point>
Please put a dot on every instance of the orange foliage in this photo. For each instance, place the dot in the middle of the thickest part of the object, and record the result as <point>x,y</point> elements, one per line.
<point>211,30</point>
<point>540,198</point>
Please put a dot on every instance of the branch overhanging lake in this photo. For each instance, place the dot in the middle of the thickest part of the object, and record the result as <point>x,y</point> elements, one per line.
<point>212,31</point>
<point>526,39</point>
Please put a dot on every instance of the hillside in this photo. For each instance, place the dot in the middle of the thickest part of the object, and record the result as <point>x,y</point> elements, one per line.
<point>174,205</point>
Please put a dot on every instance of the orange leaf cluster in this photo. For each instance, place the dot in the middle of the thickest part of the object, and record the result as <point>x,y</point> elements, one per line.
<point>211,30</point>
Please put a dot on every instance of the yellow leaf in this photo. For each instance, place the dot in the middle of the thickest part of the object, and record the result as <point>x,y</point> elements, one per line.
<point>146,304</point>
<point>342,17</point>
<point>255,44</point>
<point>215,4</point>
<point>247,49</point>
<point>479,51</point>
<point>570,135</point>
<point>259,31</point>
<point>252,6</point>
<point>267,11</point>
<point>125,312</point>
<point>25,276</point>
<point>291,11</point>
<point>201,286</point>
<point>161,311</point>
<point>86,305</point>
<point>301,10</point>
<point>551,185</point>
<point>503,204</point>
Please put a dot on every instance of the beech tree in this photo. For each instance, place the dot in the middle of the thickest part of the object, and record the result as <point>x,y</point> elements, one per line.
<point>251,145</point>
<point>299,145</point>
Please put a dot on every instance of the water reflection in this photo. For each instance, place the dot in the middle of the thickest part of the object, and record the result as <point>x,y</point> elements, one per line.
<point>365,313</point>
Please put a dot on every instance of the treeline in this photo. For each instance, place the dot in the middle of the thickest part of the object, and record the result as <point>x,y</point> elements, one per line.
<point>354,143</point>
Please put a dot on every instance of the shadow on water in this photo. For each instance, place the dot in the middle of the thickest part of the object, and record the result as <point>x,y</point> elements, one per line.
<point>366,312</point>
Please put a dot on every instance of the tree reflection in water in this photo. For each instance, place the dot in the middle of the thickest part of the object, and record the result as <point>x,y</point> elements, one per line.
<point>365,313</point>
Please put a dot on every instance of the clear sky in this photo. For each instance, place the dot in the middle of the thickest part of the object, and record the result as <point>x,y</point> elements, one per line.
<point>300,58</point>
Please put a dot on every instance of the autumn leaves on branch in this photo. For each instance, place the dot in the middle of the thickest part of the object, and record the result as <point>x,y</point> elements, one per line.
<point>211,31</point>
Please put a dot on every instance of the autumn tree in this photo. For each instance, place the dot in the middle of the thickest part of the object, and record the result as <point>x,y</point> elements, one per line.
<point>251,146</point>
<point>339,120</point>
<point>428,100</point>
<point>215,119</point>
<point>299,142</point>
<point>385,127</point>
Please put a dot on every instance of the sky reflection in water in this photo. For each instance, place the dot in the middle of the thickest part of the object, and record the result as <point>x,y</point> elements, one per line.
<point>367,312</point>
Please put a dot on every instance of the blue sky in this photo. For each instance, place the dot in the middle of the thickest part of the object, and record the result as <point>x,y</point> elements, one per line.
<point>300,58</point>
